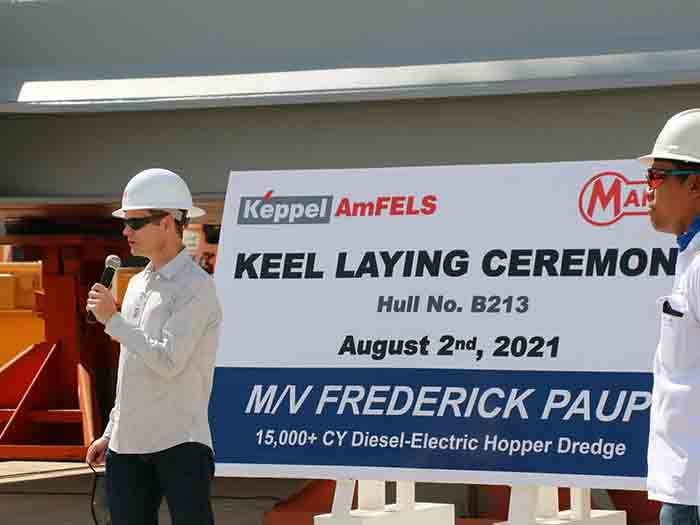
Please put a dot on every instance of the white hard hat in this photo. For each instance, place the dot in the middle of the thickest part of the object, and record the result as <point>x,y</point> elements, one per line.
<point>678,140</point>
<point>157,189</point>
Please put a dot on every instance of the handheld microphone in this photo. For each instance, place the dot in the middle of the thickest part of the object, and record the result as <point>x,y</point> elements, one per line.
<point>112,263</point>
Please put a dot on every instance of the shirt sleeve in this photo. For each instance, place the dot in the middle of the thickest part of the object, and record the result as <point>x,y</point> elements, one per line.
<point>168,353</point>
<point>113,415</point>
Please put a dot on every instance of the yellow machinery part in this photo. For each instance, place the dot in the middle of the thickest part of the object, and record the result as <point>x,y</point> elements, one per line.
<point>121,281</point>
<point>20,325</point>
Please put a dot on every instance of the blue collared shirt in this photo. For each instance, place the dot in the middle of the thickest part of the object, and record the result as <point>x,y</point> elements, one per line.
<point>684,239</point>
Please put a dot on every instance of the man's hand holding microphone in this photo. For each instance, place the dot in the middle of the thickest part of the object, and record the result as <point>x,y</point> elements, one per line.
<point>100,304</point>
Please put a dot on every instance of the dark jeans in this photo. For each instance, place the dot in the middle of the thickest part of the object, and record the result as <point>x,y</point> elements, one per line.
<point>136,483</point>
<point>674,514</point>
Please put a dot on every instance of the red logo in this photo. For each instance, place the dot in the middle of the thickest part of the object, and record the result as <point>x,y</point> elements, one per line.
<point>609,196</point>
<point>388,205</point>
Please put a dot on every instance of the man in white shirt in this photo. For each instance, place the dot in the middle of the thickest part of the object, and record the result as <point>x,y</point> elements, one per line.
<point>674,437</point>
<point>158,441</point>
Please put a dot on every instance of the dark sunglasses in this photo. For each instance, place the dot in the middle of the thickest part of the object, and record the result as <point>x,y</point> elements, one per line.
<point>136,223</point>
<point>656,176</point>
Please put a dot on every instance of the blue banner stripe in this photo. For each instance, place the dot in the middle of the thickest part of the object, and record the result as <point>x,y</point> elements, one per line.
<point>599,429</point>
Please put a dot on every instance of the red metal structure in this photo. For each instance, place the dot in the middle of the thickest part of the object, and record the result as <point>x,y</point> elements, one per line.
<point>49,407</point>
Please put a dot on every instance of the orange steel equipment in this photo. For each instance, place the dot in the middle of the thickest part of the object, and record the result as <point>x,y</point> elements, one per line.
<point>20,324</point>
<point>49,406</point>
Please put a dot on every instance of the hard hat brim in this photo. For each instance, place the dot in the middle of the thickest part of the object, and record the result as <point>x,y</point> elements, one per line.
<point>648,160</point>
<point>192,213</point>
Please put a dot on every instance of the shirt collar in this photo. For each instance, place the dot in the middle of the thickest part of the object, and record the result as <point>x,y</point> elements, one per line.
<point>684,239</point>
<point>172,267</point>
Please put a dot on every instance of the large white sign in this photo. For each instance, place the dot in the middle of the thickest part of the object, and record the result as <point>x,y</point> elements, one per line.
<point>461,323</point>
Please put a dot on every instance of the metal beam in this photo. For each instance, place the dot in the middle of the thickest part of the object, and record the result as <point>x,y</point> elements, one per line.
<point>501,77</point>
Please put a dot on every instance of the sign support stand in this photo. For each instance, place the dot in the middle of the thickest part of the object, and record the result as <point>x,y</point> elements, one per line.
<point>533,505</point>
<point>373,510</point>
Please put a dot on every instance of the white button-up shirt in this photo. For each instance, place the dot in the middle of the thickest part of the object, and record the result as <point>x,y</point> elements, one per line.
<point>168,329</point>
<point>674,436</point>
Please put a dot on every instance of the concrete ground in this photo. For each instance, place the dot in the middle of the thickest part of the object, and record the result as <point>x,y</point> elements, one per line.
<point>35,494</point>
<point>46,493</point>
